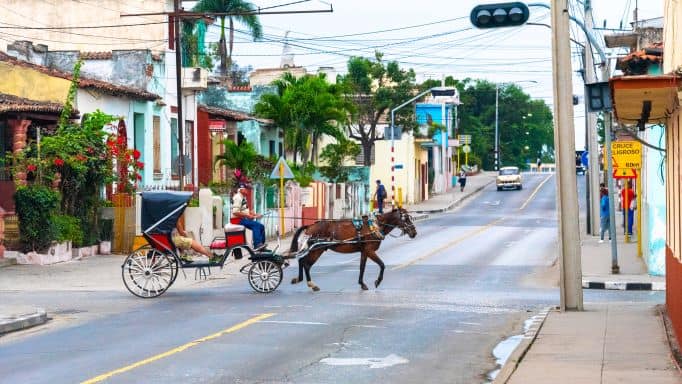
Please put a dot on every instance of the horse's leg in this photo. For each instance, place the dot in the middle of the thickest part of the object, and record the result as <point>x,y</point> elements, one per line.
<point>314,255</point>
<point>363,263</point>
<point>375,258</point>
<point>301,262</point>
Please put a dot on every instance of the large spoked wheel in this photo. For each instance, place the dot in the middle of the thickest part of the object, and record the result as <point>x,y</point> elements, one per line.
<point>149,273</point>
<point>265,276</point>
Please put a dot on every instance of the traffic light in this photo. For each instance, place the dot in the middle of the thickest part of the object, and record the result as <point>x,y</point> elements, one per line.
<point>499,15</point>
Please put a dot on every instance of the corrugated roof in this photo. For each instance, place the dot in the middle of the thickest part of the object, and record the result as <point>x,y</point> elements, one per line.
<point>103,86</point>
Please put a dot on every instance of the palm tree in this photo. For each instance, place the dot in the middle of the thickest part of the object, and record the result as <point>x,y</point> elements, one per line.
<point>240,157</point>
<point>243,14</point>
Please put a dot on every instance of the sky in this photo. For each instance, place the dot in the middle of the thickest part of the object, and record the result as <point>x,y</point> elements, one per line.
<point>433,37</point>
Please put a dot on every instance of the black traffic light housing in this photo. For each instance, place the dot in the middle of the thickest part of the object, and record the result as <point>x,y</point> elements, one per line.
<point>499,15</point>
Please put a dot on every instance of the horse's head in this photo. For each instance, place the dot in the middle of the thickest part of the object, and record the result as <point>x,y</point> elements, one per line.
<point>400,218</point>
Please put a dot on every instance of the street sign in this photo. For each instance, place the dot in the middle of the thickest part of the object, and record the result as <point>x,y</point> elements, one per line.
<point>466,149</point>
<point>398,166</point>
<point>584,158</point>
<point>286,171</point>
<point>627,154</point>
<point>464,139</point>
<point>624,173</point>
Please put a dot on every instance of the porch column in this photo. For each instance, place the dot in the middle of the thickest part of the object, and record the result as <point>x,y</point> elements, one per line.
<point>19,127</point>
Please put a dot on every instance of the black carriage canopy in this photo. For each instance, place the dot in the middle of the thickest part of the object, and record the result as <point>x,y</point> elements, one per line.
<point>161,210</point>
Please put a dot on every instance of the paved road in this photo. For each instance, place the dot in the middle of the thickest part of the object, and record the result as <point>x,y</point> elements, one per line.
<point>468,281</point>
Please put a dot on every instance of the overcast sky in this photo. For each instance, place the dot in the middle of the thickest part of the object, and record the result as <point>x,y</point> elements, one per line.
<point>434,37</point>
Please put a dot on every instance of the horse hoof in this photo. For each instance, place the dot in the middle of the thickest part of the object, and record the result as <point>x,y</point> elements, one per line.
<point>376,283</point>
<point>316,288</point>
<point>294,280</point>
<point>363,286</point>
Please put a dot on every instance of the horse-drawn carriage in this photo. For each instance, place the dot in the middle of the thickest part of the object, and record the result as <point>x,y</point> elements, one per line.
<point>151,269</point>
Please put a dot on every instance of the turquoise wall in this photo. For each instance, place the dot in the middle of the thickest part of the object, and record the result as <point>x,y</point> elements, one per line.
<point>654,214</point>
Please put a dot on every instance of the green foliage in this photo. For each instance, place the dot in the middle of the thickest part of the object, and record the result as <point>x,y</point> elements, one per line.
<point>303,173</point>
<point>68,228</point>
<point>243,14</point>
<point>373,87</point>
<point>237,156</point>
<point>35,205</point>
<point>306,108</point>
<point>335,155</point>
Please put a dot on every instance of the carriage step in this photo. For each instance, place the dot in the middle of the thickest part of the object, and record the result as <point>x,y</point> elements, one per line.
<point>200,264</point>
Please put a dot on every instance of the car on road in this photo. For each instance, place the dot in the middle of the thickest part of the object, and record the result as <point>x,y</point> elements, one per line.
<point>509,178</point>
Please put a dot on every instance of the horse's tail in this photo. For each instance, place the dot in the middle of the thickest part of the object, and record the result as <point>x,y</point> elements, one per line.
<point>294,241</point>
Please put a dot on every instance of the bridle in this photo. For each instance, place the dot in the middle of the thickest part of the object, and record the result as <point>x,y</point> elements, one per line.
<point>406,224</point>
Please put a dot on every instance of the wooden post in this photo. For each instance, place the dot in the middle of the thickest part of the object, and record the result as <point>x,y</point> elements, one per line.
<point>281,199</point>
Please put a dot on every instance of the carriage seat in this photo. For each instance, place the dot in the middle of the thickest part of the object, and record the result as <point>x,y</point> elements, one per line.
<point>235,234</point>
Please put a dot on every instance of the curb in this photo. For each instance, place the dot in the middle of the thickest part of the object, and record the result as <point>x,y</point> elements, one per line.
<point>624,286</point>
<point>519,352</point>
<point>457,202</point>
<point>5,262</point>
<point>19,322</point>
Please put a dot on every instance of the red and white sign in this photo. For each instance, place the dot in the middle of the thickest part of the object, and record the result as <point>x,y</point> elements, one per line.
<point>217,125</point>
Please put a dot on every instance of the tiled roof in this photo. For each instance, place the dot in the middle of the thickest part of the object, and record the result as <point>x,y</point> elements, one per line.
<point>231,114</point>
<point>95,55</point>
<point>103,86</point>
<point>240,88</point>
<point>11,103</point>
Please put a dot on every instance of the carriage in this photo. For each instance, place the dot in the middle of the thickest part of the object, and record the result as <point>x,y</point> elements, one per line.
<point>151,269</point>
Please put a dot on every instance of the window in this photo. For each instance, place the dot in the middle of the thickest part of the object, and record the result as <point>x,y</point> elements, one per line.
<point>174,145</point>
<point>272,148</point>
<point>5,148</point>
<point>157,145</point>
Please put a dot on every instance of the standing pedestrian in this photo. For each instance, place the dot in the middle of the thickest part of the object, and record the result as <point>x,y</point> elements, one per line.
<point>604,214</point>
<point>627,195</point>
<point>380,195</point>
<point>462,180</point>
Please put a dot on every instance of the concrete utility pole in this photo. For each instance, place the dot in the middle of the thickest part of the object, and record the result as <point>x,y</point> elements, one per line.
<point>564,144</point>
<point>497,141</point>
<point>178,85</point>
<point>591,127</point>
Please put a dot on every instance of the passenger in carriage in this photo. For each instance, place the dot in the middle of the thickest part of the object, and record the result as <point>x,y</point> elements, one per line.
<point>183,242</point>
<point>247,218</point>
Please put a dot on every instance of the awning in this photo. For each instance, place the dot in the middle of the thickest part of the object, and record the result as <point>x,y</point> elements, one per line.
<point>644,99</point>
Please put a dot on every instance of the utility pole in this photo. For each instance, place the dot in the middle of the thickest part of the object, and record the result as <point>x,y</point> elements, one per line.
<point>591,128</point>
<point>497,140</point>
<point>178,85</point>
<point>564,144</point>
<point>615,269</point>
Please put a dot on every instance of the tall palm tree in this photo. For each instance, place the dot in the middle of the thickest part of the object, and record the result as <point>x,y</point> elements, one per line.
<point>250,21</point>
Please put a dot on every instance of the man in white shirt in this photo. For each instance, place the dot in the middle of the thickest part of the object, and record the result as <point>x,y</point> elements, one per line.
<point>247,218</point>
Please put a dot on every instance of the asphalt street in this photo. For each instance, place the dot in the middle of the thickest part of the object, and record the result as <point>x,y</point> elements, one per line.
<point>467,281</point>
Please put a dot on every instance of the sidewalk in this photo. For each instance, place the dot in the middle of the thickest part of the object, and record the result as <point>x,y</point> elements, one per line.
<point>452,198</point>
<point>614,342</point>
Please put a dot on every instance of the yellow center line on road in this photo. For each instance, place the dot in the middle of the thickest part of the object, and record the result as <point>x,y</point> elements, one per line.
<point>181,348</point>
<point>448,245</point>
<point>537,189</point>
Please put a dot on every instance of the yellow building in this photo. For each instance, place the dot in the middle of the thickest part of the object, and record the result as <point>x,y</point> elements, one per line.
<point>411,173</point>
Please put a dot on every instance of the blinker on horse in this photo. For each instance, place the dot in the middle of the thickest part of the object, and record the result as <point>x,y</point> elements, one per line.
<point>342,236</point>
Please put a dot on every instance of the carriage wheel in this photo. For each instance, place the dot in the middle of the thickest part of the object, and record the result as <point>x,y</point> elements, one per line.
<point>265,276</point>
<point>148,273</point>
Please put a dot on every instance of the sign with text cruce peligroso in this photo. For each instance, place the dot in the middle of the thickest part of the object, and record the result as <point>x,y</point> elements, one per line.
<point>626,154</point>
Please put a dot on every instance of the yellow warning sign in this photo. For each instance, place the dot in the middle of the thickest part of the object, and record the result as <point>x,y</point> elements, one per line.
<point>624,173</point>
<point>626,154</point>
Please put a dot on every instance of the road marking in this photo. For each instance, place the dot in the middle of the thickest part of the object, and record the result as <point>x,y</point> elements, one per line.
<point>468,323</point>
<point>181,348</point>
<point>293,322</point>
<point>368,326</point>
<point>448,245</point>
<point>532,195</point>
<point>373,362</point>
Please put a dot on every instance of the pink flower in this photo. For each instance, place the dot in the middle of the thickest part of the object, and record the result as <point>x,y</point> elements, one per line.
<point>139,165</point>
<point>58,162</point>
<point>31,168</point>
<point>136,154</point>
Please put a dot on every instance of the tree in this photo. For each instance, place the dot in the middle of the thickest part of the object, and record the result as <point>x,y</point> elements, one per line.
<point>306,108</point>
<point>243,13</point>
<point>237,156</point>
<point>335,155</point>
<point>374,87</point>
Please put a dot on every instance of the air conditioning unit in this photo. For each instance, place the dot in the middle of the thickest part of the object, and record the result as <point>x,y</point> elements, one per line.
<point>194,79</point>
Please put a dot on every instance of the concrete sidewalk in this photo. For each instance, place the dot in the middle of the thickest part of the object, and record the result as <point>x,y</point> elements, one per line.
<point>616,342</point>
<point>453,197</point>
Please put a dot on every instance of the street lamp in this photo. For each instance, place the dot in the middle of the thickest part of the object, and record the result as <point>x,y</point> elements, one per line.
<point>434,91</point>
<point>497,102</point>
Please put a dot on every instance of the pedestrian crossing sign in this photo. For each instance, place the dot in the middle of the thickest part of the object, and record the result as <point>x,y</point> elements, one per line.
<point>624,173</point>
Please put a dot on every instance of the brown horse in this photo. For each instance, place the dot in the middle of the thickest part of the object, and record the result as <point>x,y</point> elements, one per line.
<point>343,237</point>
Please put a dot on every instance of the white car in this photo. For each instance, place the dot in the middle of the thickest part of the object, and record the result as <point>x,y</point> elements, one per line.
<point>509,178</point>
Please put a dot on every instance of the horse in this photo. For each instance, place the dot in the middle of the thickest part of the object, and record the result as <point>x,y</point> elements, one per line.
<point>342,236</point>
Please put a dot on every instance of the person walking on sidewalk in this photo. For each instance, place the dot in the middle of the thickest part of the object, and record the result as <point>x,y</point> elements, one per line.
<point>380,195</point>
<point>627,195</point>
<point>604,214</point>
<point>462,180</point>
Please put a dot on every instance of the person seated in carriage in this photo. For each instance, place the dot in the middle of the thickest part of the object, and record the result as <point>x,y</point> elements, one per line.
<point>247,218</point>
<point>183,242</point>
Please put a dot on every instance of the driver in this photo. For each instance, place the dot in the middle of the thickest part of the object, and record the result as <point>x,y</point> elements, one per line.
<point>247,218</point>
